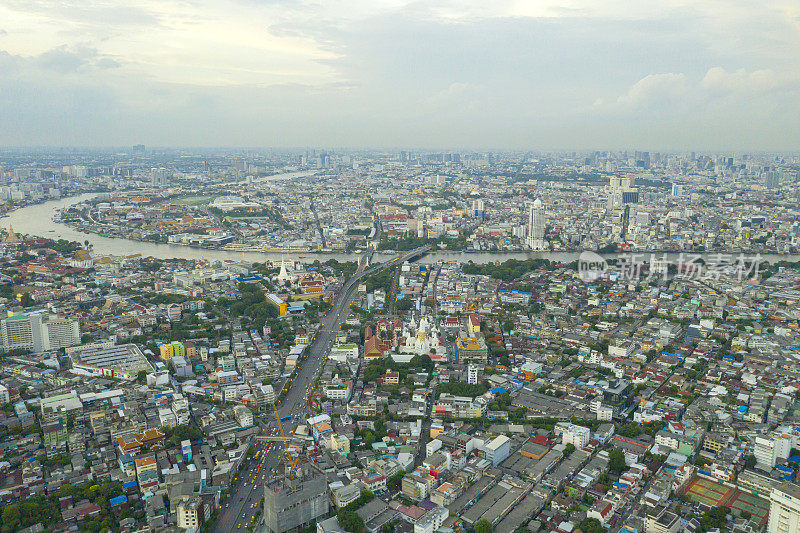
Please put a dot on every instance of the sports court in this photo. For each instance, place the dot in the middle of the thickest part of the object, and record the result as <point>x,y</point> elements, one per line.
<point>758,507</point>
<point>707,492</point>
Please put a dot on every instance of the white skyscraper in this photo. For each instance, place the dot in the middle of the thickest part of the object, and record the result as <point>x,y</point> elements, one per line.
<point>536,226</point>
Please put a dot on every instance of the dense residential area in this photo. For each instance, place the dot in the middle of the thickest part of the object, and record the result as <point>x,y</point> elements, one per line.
<point>414,386</point>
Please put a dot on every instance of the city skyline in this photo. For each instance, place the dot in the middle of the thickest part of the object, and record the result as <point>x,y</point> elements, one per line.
<point>513,75</point>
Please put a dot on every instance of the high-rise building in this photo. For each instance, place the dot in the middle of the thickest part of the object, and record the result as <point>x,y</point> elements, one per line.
<point>536,222</point>
<point>190,513</point>
<point>769,449</point>
<point>784,508</point>
<point>290,502</point>
<point>37,333</point>
<point>158,177</point>
<point>478,208</point>
<point>772,179</point>
<point>61,333</point>
<point>472,374</point>
<point>22,332</point>
<point>621,191</point>
<point>186,449</point>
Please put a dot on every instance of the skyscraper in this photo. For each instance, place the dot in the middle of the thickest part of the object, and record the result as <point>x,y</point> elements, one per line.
<point>772,179</point>
<point>621,191</point>
<point>159,177</point>
<point>536,225</point>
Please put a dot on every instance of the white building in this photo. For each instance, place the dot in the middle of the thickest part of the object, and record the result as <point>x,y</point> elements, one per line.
<point>578,436</point>
<point>190,513</point>
<point>269,393</point>
<point>243,416</point>
<point>536,223</point>
<point>497,450</point>
<point>784,509</point>
<point>472,374</point>
<point>338,391</point>
<point>37,333</point>
<point>667,439</point>
<point>4,396</point>
<point>769,449</point>
<point>661,520</point>
<point>432,520</point>
<point>167,418</point>
<point>603,412</point>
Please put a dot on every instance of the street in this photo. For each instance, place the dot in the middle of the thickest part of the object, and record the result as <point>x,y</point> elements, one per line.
<point>248,490</point>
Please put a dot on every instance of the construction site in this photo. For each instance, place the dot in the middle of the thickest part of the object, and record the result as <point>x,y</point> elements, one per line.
<point>297,495</point>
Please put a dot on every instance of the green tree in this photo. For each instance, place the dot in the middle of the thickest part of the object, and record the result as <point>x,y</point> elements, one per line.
<point>395,481</point>
<point>569,449</point>
<point>750,461</point>
<point>26,300</point>
<point>483,526</point>
<point>591,525</point>
<point>350,521</point>
<point>631,430</point>
<point>616,460</point>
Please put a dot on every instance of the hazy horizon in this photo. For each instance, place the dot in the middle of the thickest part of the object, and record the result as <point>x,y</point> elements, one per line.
<point>565,75</point>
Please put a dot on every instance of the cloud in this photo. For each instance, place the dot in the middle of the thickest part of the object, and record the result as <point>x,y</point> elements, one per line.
<point>467,73</point>
<point>671,91</point>
<point>719,81</point>
<point>653,89</point>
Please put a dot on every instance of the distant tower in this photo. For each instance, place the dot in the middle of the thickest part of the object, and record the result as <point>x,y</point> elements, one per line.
<point>11,236</point>
<point>536,226</point>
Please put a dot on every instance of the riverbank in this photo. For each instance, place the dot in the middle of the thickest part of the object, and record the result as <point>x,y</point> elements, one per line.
<point>39,220</point>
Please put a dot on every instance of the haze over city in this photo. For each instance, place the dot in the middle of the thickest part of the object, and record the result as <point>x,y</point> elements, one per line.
<point>442,74</point>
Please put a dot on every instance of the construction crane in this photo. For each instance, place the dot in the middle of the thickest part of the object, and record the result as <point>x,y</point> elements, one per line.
<point>312,403</point>
<point>293,464</point>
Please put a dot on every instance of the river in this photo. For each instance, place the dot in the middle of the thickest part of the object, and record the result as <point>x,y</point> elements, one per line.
<point>38,220</point>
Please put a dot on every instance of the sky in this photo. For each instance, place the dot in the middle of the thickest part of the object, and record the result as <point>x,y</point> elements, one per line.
<point>435,74</point>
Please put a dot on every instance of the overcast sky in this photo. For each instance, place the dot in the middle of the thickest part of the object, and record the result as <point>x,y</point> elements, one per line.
<point>483,74</point>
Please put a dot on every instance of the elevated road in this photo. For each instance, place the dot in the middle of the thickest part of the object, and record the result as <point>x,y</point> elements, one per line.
<point>248,490</point>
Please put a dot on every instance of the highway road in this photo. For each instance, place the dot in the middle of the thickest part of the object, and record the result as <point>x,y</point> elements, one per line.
<point>241,506</point>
